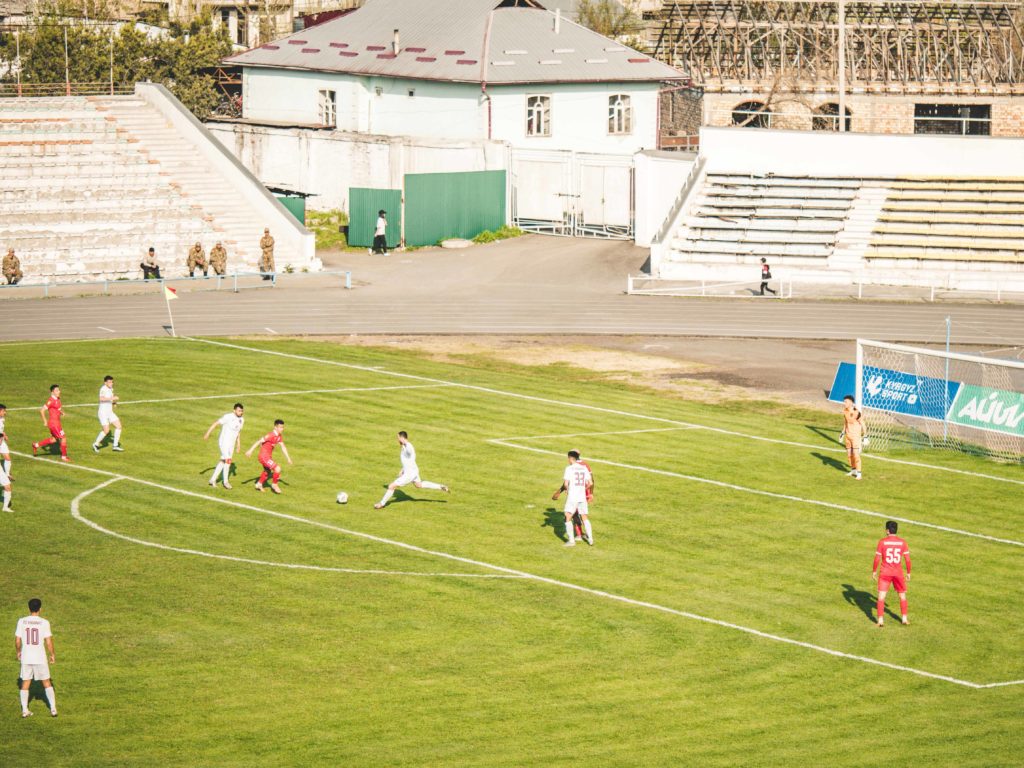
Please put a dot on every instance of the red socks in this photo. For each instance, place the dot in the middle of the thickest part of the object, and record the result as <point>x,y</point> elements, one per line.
<point>277,476</point>
<point>903,607</point>
<point>263,478</point>
<point>881,609</point>
<point>64,449</point>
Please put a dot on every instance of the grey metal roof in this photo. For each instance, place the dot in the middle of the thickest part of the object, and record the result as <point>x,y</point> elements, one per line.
<point>460,41</point>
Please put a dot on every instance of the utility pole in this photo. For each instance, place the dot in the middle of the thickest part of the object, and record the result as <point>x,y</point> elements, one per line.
<point>842,65</point>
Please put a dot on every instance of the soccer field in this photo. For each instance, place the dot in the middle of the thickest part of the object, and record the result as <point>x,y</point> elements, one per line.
<point>723,617</point>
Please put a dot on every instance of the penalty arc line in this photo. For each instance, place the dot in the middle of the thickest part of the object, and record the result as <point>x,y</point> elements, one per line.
<point>504,442</point>
<point>588,407</point>
<point>550,581</point>
<point>232,396</point>
<point>77,514</point>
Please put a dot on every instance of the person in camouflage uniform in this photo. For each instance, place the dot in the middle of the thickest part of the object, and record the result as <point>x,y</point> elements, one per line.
<point>12,268</point>
<point>197,260</point>
<point>267,259</point>
<point>219,259</point>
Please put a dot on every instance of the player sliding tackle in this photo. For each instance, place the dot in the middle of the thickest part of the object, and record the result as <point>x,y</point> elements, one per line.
<point>410,473</point>
<point>266,458</point>
<point>578,481</point>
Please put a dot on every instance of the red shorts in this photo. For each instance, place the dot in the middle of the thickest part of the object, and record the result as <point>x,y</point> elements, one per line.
<point>896,579</point>
<point>270,465</point>
<point>56,430</point>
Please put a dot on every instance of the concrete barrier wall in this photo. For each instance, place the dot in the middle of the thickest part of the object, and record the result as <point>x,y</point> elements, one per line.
<point>822,153</point>
<point>659,177</point>
<point>325,164</point>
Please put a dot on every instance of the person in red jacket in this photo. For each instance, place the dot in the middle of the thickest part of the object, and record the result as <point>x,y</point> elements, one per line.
<point>891,553</point>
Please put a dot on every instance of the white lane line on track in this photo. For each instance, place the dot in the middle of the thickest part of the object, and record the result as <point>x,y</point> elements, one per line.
<point>596,408</point>
<point>108,330</point>
<point>237,395</point>
<point>504,442</point>
<point>77,514</point>
<point>270,330</point>
<point>544,580</point>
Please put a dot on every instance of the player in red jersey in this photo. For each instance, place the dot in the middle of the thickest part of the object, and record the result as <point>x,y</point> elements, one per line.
<point>266,458</point>
<point>892,552</point>
<point>51,413</point>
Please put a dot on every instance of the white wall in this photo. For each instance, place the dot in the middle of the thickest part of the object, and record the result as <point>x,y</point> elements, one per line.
<point>753,150</point>
<point>579,117</point>
<point>659,178</point>
<point>326,163</point>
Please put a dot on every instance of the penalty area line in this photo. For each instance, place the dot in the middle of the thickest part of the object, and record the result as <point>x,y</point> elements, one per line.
<point>550,581</point>
<point>77,514</point>
<point>588,407</point>
<point>504,443</point>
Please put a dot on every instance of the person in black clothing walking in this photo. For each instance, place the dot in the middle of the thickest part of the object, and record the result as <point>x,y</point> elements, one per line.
<point>766,275</point>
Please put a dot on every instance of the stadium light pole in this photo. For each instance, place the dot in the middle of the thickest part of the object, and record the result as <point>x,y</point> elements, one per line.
<point>842,65</point>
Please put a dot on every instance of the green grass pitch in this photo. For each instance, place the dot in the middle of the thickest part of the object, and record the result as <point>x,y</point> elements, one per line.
<point>375,654</point>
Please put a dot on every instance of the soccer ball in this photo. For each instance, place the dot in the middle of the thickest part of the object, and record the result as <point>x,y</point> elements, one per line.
<point>342,497</point>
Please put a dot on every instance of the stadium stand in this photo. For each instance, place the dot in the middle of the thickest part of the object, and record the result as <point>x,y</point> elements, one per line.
<point>88,183</point>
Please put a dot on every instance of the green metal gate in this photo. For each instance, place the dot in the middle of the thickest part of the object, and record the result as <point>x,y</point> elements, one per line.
<point>296,205</point>
<point>443,205</point>
<point>363,205</point>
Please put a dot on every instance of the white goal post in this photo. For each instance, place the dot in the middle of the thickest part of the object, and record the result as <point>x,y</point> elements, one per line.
<point>913,396</point>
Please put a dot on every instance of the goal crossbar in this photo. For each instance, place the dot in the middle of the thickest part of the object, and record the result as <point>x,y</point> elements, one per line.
<point>943,354</point>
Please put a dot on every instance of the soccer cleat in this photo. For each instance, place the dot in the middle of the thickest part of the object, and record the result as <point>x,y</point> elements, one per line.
<point>212,484</point>
<point>446,489</point>
<point>906,621</point>
<point>26,713</point>
<point>8,509</point>
<point>881,623</point>
<point>95,448</point>
<point>571,543</point>
<point>227,485</point>
<point>117,448</point>
<point>858,476</point>
<point>35,448</point>
<point>65,459</point>
<point>378,506</point>
<point>274,488</point>
<point>259,487</point>
<point>589,541</point>
<point>852,473</point>
<point>53,713</point>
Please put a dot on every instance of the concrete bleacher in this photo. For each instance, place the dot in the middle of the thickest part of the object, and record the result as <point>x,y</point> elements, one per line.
<point>89,183</point>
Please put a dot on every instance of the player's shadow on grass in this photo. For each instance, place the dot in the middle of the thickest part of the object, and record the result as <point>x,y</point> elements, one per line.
<point>829,461</point>
<point>554,519</point>
<point>36,690</point>
<point>829,435</point>
<point>401,496</point>
<point>865,601</point>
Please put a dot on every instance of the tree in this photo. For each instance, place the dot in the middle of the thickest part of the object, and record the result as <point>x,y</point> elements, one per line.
<point>612,18</point>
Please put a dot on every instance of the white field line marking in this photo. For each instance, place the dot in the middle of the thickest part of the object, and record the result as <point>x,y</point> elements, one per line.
<point>247,394</point>
<point>108,330</point>
<point>77,514</point>
<point>596,408</point>
<point>270,330</point>
<point>541,579</point>
<point>757,491</point>
<point>595,434</point>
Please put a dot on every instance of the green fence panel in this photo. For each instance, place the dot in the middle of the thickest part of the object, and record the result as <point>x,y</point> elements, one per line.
<point>443,205</point>
<point>296,205</point>
<point>363,205</point>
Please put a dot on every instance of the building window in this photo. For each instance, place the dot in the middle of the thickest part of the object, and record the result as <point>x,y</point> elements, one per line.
<point>538,116</point>
<point>328,110</point>
<point>827,118</point>
<point>752,114</point>
<point>620,114</point>
<point>953,119</point>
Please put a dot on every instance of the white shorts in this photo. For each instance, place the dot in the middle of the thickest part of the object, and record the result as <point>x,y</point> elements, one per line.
<point>227,451</point>
<point>571,507</point>
<point>35,671</point>
<point>407,477</point>
<point>107,417</point>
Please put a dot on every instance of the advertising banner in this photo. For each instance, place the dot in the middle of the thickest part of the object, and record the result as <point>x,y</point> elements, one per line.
<point>896,391</point>
<point>995,410</point>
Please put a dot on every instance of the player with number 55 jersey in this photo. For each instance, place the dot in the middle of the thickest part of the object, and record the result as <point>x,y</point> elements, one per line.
<point>892,554</point>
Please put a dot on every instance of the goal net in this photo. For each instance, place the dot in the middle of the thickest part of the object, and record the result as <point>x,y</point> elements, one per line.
<point>923,397</point>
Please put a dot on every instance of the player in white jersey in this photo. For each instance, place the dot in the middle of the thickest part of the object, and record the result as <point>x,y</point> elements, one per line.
<point>33,641</point>
<point>230,441</point>
<point>576,480</point>
<point>5,469</point>
<point>107,416</point>
<point>410,473</point>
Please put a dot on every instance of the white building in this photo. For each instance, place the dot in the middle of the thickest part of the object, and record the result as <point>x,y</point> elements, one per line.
<point>490,70</point>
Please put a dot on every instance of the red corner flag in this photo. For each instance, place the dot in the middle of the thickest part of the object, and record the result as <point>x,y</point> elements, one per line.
<point>170,293</point>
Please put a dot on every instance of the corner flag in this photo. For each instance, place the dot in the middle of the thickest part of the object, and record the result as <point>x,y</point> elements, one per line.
<point>170,295</point>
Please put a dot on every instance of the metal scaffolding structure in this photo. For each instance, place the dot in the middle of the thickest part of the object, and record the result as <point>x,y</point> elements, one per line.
<point>794,45</point>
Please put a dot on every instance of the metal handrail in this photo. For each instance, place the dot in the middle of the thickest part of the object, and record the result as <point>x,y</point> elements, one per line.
<point>106,283</point>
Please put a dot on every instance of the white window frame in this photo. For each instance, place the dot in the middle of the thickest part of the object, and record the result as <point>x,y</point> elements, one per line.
<point>327,107</point>
<point>539,110</point>
<point>620,115</point>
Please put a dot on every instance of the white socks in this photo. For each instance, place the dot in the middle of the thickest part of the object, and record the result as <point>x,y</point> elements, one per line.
<point>24,701</point>
<point>221,466</point>
<point>99,438</point>
<point>52,698</point>
<point>387,497</point>
<point>588,530</point>
<point>117,436</point>
<point>7,499</point>
<point>430,485</point>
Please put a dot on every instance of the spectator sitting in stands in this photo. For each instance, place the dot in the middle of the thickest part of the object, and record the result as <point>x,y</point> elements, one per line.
<point>150,266</point>
<point>12,268</point>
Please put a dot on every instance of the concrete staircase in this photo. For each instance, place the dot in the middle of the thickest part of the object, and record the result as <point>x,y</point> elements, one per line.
<point>88,184</point>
